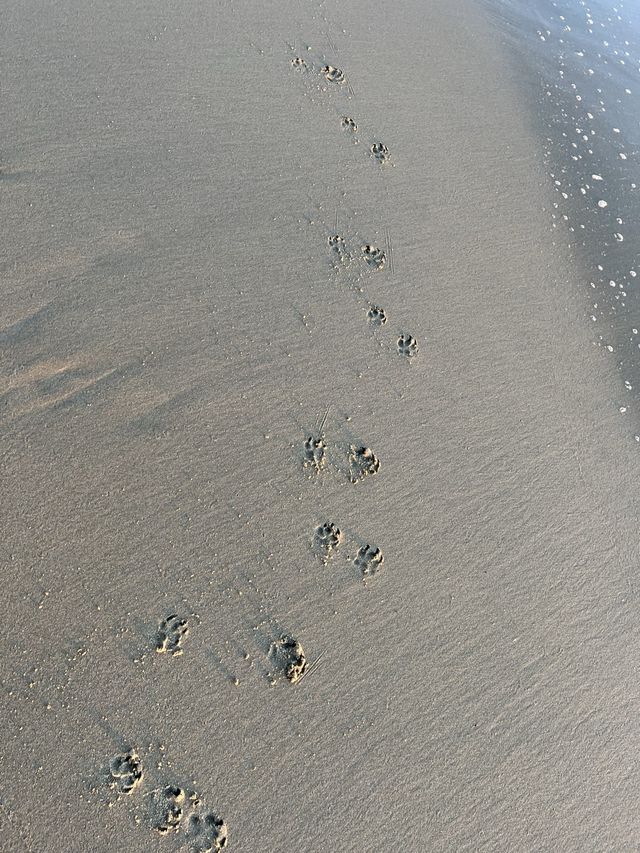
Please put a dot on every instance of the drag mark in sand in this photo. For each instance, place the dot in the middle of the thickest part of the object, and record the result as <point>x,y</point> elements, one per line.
<point>389,250</point>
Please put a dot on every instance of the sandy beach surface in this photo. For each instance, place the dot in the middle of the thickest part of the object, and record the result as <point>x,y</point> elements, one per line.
<point>176,321</point>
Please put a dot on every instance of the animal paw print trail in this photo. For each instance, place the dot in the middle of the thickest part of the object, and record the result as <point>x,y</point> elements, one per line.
<point>171,808</point>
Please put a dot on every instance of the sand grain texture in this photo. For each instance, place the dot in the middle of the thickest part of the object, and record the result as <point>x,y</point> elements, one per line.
<point>172,332</point>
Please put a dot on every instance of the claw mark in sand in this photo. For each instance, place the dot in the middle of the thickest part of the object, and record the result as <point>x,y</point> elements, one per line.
<point>171,634</point>
<point>380,152</point>
<point>407,346</point>
<point>369,560</point>
<point>376,315</point>
<point>126,772</point>
<point>327,539</point>
<point>362,463</point>
<point>374,257</point>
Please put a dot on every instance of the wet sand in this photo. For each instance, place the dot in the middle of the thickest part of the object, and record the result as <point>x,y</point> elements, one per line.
<point>175,325</point>
<point>577,65</point>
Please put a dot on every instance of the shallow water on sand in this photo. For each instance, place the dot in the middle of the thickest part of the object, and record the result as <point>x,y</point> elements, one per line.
<point>580,63</point>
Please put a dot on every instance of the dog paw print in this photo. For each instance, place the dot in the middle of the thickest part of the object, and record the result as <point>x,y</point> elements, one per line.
<point>298,62</point>
<point>369,560</point>
<point>315,453</point>
<point>126,772</point>
<point>349,125</point>
<point>207,833</point>
<point>407,346</point>
<point>339,248</point>
<point>333,74</point>
<point>171,806</point>
<point>337,245</point>
<point>376,315</point>
<point>380,152</point>
<point>375,257</point>
<point>294,660</point>
<point>362,463</point>
<point>171,635</point>
<point>327,538</point>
